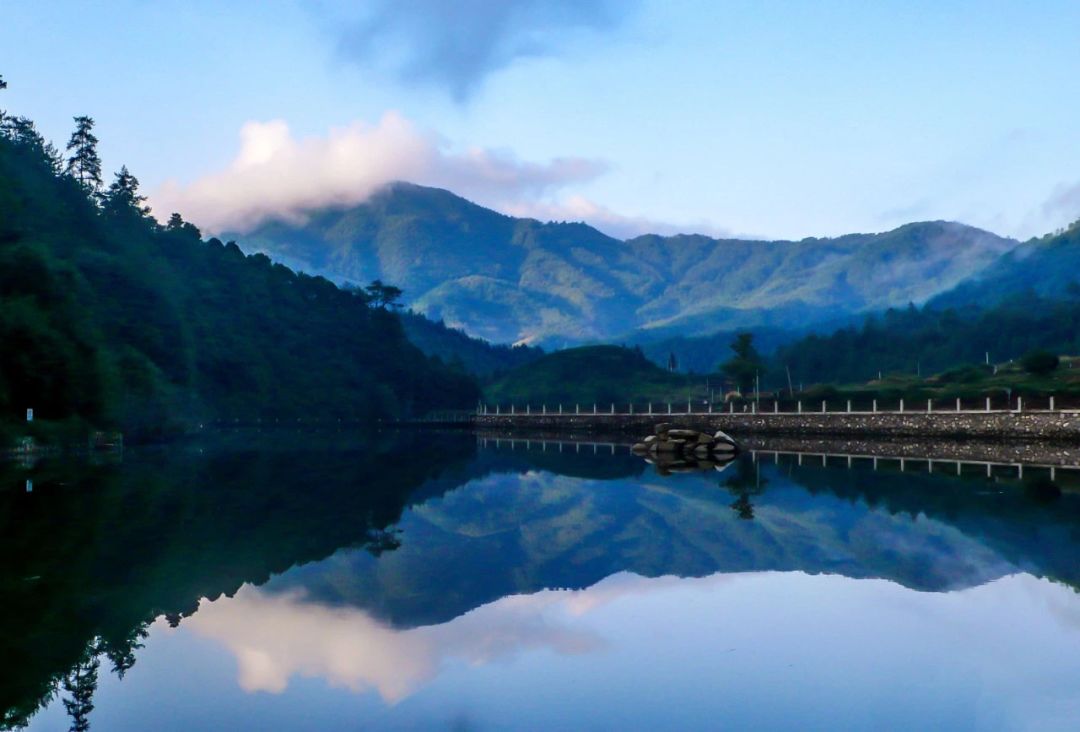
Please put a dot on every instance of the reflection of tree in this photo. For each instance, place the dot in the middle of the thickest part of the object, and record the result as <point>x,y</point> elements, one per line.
<point>746,481</point>
<point>80,684</point>
<point>122,652</point>
<point>125,559</point>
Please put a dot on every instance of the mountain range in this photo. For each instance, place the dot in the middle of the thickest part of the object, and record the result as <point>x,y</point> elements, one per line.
<point>519,280</point>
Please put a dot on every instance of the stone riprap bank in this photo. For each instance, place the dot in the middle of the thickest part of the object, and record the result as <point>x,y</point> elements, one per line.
<point>1041,425</point>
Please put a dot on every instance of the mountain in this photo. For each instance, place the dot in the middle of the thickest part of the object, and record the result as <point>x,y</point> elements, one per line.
<point>510,279</point>
<point>1049,267</point>
<point>109,319</point>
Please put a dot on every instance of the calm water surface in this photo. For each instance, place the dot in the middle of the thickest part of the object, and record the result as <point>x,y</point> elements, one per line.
<point>427,582</point>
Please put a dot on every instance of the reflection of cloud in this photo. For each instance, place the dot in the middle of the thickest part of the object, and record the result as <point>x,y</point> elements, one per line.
<point>275,637</point>
<point>457,44</point>
<point>277,175</point>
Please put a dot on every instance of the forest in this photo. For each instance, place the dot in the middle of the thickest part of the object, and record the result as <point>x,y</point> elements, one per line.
<point>924,341</point>
<point>111,320</point>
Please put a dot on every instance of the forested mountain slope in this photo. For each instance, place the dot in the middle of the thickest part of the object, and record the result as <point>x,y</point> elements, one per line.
<point>508,279</point>
<point>109,318</point>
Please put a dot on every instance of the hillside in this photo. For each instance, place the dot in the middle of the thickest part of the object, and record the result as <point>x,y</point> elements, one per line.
<point>930,340</point>
<point>1049,267</point>
<point>519,280</point>
<point>473,355</point>
<point>588,375</point>
<point>109,319</point>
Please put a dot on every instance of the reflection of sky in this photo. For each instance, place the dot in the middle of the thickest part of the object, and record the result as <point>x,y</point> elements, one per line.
<point>750,651</point>
<point>477,643</point>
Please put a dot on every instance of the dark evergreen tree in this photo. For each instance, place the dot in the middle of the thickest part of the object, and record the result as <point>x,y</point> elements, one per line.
<point>746,364</point>
<point>383,296</point>
<point>177,225</point>
<point>80,685</point>
<point>123,198</point>
<point>84,165</point>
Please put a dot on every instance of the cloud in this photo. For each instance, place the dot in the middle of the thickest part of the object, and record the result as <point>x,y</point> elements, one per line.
<point>277,637</point>
<point>612,223</point>
<point>456,44</point>
<point>277,175</point>
<point>1063,205</point>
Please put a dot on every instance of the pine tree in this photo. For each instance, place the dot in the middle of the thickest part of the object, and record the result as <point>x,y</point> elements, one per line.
<point>84,165</point>
<point>123,197</point>
<point>80,684</point>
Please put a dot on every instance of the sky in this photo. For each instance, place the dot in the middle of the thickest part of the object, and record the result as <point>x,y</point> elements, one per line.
<point>762,119</point>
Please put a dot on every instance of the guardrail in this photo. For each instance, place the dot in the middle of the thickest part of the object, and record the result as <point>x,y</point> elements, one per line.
<point>981,405</point>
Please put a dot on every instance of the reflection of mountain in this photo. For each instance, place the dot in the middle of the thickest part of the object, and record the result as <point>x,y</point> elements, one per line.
<point>518,532</point>
<point>93,553</point>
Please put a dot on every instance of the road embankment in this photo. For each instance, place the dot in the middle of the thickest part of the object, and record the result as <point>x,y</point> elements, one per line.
<point>1055,426</point>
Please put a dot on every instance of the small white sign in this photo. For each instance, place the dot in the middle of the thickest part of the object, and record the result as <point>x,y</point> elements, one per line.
<point>29,415</point>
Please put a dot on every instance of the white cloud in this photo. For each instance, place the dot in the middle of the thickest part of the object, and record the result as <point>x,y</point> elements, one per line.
<point>612,223</point>
<point>277,637</point>
<point>278,175</point>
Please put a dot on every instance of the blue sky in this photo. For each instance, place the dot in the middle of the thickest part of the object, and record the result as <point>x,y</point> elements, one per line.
<point>778,119</point>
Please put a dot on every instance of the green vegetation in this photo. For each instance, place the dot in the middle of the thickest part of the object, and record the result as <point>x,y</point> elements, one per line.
<point>514,280</point>
<point>745,367</point>
<point>592,374</point>
<point>913,342</point>
<point>111,320</point>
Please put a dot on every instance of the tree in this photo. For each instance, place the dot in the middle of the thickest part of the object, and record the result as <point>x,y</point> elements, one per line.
<point>80,684</point>
<point>177,225</point>
<point>383,296</point>
<point>123,199</point>
<point>84,165</point>
<point>744,367</point>
<point>1040,363</point>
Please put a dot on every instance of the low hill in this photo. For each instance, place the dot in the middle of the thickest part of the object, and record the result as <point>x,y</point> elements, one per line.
<point>591,374</point>
<point>512,280</point>
<point>109,319</point>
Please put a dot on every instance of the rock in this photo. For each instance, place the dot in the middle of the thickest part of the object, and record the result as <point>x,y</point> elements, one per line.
<point>640,448</point>
<point>666,446</point>
<point>683,434</point>
<point>650,438</point>
<point>704,439</point>
<point>726,447</point>
<point>722,436</point>
<point>662,428</point>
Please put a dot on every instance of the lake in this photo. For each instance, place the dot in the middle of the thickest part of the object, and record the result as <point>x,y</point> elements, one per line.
<point>424,581</point>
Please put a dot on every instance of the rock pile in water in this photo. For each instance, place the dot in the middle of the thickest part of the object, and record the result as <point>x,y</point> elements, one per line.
<point>675,450</point>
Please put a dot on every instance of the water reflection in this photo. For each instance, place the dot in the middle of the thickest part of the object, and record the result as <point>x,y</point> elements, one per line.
<point>402,570</point>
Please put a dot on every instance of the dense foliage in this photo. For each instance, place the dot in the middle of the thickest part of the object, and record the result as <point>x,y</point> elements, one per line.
<point>928,340</point>
<point>592,374</point>
<point>110,318</point>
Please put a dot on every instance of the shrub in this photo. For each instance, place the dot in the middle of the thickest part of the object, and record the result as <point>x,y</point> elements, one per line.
<point>1040,363</point>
